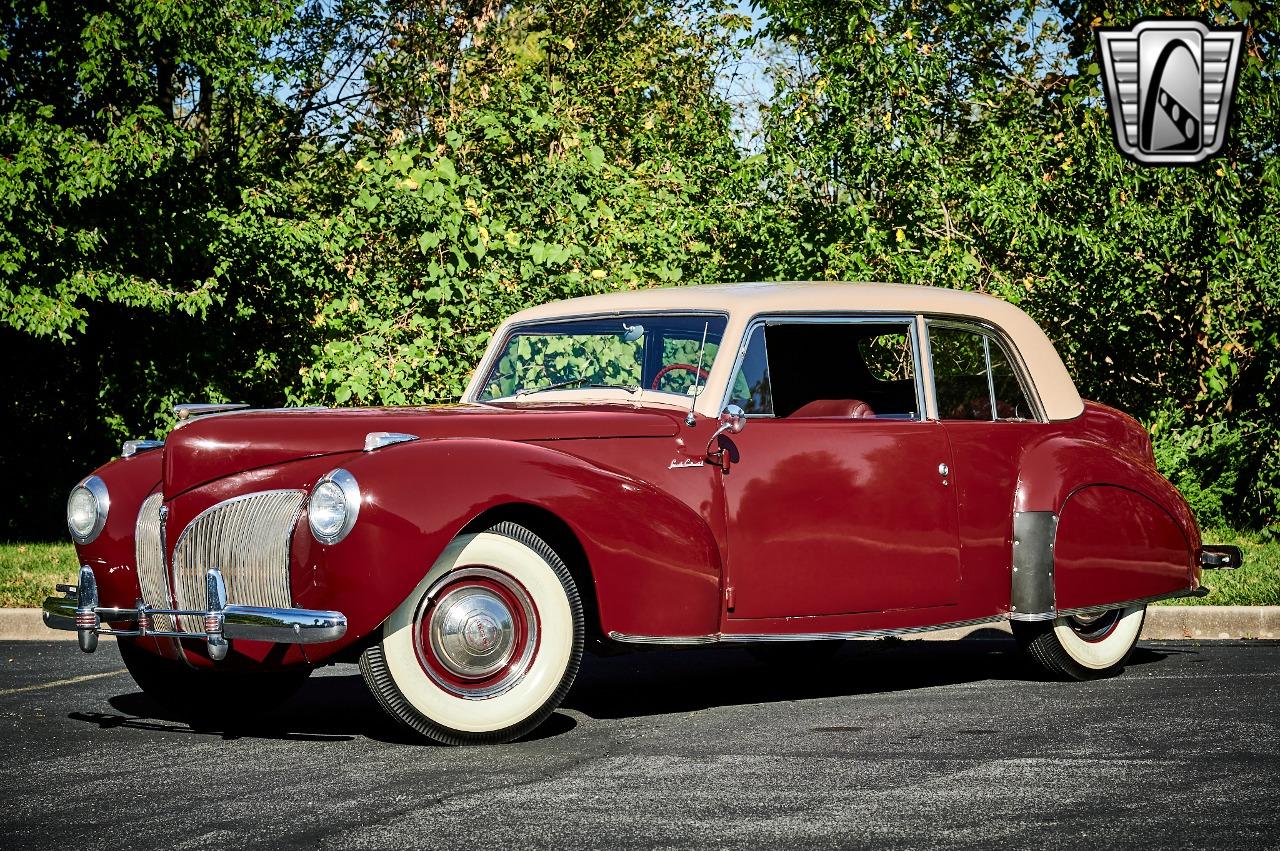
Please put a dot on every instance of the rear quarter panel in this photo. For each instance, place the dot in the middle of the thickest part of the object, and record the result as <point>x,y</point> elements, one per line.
<point>1124,531</point>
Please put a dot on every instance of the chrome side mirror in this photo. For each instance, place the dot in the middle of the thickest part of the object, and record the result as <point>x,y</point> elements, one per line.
<point>732,420</point>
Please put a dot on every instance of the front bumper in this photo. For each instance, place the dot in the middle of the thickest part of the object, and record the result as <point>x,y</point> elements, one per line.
<point>78,610</point>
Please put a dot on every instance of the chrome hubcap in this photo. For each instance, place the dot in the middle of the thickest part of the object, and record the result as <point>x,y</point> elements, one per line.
<point>472,632</point>
<point>1095,626</point>
<point>476,632</point>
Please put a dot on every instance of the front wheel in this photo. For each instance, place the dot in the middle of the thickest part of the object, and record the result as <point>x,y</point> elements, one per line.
<point>486,646</point>
<point>1083,647</point>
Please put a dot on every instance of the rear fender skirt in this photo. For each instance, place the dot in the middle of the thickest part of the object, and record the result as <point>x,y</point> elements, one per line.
<point>654,561</point>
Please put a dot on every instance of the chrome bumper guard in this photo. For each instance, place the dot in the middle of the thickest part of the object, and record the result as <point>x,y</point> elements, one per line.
<point>78,610</point>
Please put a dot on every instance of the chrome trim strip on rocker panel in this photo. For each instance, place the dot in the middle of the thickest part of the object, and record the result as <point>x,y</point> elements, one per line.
<point>746,638</point>
<point>1202,591</point>
<point>757,637</point>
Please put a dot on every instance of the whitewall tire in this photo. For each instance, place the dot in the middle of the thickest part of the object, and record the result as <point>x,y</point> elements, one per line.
<point>1083,647</point>
<point>486,646</point>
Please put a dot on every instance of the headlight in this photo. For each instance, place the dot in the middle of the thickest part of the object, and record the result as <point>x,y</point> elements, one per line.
<point>334,506</point>
<point>87,509</point>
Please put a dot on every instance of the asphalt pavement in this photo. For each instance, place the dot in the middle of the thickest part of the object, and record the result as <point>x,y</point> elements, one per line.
<point>889,744</point>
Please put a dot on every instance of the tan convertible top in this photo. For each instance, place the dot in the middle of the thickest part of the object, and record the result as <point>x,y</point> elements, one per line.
<point>743,302</point>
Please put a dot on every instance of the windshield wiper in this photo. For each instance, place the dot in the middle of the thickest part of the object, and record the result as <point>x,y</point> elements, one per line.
<point>575,382</point>
<point>524,391</point>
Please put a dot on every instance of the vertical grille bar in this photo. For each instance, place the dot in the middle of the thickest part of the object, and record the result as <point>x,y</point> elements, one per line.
<point>247,538</point>
<point>153,577</point>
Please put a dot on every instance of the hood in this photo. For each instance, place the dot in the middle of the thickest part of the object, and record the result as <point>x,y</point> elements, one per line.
<point>210,447</point>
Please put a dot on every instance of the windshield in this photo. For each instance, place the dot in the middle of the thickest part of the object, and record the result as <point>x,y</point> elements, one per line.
<point>631,352</point>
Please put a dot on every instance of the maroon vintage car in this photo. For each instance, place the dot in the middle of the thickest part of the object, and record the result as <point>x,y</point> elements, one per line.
<point>711,465</point>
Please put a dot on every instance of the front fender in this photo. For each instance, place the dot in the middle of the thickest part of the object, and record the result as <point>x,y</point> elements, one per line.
<point>654,561</point>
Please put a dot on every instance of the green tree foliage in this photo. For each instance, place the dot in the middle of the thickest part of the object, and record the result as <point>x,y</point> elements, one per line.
<point>336,202</point>
<point>966,144</point>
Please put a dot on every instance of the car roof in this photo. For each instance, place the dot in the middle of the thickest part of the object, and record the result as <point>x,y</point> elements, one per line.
<point>743,301</point>
<point>757,297</point>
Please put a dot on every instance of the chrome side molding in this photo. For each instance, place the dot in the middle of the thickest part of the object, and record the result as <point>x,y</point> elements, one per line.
<point>852,635</point>
<point>189,410</point>
<point>78,610</point>
<point>378,439</point>
<point>134,447</point>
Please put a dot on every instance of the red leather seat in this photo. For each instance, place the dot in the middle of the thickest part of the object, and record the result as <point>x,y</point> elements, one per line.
<point>838,408</point>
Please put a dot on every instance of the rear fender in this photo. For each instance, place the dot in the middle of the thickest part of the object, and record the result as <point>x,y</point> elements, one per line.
<point>1122,531</point>
<point>654,561</point>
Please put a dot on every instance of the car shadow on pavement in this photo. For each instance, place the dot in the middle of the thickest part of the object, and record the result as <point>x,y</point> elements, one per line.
<point>666,681</point>
<point>338,707</point>
<point>327,708</point>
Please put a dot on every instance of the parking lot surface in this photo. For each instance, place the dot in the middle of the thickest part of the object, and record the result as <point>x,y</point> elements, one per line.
<point>889,744</point>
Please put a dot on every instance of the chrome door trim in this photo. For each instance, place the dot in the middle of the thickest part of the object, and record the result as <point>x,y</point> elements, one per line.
<point>838,318</point>
<point>987,329</point>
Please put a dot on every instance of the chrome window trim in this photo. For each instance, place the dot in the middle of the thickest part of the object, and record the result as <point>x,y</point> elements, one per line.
<point>491,356</point>
<point>738,360</point>
<point>1010,349</point>
<point>836,318</point>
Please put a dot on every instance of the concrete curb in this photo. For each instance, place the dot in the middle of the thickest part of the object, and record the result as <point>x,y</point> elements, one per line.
<point>1163,623</point>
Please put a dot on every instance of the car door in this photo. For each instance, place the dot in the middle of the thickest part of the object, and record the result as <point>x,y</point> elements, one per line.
<point>837,493</point>
<point>987,411</point>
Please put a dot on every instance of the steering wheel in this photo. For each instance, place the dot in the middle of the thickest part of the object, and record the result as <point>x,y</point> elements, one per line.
<point>687,367</point>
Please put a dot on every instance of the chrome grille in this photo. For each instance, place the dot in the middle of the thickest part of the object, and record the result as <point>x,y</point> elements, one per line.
<point>153,577</point>
<point>247,538</point>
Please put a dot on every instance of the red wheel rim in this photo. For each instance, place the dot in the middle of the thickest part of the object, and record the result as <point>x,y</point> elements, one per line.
<point>476,632</point>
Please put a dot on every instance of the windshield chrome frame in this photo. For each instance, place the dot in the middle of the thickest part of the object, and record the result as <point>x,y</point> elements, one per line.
<point>493,352</point>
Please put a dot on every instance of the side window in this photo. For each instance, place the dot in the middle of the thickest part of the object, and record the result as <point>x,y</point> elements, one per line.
<point>973,377</point>
<point>750,387</point>
<point>960,374</point>
<point>862,369</point>
<point>1011,402</point>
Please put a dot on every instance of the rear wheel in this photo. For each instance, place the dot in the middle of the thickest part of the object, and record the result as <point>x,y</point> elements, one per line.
<point>208,694</point>
<point>486,646</point>
<point>1083,647</point>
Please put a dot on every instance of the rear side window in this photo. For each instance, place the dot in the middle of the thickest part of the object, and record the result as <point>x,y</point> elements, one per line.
<point>973,377</point>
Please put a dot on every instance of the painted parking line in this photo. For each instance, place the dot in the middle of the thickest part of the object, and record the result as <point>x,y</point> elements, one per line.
<point>8,691</point>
